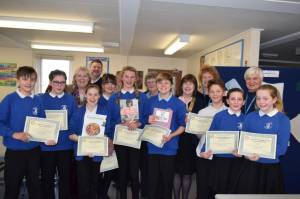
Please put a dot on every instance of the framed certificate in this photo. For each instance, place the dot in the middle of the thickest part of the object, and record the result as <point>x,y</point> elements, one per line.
<point>197,124</point>
<point>58,115</point>
<point>41,129</point>
<point>262,144</point>
<point>154,134</point>
<point>94,125</point>
<point>109,163</point>
<point>163,117</point>
<point>125,137</point>
<point>222,142</point>
<point>92,145</point>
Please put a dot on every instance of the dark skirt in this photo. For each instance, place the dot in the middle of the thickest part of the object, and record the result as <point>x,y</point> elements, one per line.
<point>259,178</point>
<point>224,174</point>
<point>186,154</point>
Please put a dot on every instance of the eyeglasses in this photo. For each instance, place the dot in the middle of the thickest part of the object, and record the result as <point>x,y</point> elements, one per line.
<point>59,83</point>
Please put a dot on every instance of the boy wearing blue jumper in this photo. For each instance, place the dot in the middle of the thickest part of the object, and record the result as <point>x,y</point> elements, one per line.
<point>161,161</point>
<point>263,175</point>
<point>22,157</point>
<point>226,166</point>
<point>57,156</point>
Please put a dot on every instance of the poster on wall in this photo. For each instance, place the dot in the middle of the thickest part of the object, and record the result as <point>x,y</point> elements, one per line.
<point>8,74</point>
<point>229,55</point>
<point>104,60</point>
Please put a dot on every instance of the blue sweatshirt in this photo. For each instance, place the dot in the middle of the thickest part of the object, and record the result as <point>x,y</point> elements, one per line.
<point>76,126</point>
<point>113,106</point>
<point>178,119</point>
<point>227,121</point>
<point>13,111</point>
<point>65,102</point>
<point>278,124</point>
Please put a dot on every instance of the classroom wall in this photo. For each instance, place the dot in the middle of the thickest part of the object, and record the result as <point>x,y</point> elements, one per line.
<point>31,57</point>
<point>251,39</point>
<point>14,55</point>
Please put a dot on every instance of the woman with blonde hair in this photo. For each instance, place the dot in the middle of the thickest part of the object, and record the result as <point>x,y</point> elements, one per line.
<point>81,80</point>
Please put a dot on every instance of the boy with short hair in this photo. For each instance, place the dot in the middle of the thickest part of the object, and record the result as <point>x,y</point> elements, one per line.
<point>22,157</point>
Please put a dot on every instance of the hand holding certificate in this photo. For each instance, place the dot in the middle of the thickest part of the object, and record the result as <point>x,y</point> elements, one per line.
<point>197,124</point>
<point>154,134</point>
<point>124,136</point>
<point>92,146</point>
<point>264,145</point>
<point>221,142</point>
<point>58,115</point>
<point>41,129</point>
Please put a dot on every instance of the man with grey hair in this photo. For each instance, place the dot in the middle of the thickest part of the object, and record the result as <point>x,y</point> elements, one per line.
<point>253,78</point>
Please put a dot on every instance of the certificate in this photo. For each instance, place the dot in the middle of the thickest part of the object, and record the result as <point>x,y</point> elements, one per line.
<point>58,115</point>
<point>125,137</point>
<point>92,146</point>
<point>198,124</point>
<point>41,129</point>
<point>154,134</point>
<point>220,142</point>
<point>94,125</point>
<point>263,145</point>
<point>163,117</point>
<point>109,163</point>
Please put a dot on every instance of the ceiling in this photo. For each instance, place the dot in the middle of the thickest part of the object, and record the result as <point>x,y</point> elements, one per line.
<point>146,27</point>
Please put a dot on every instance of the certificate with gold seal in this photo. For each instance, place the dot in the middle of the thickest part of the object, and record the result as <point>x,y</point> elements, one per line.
<point>41,129</point>
<point>221,142</point>
<point>263,145</point>
<point>197,124</point>
<point>58,115</point>
<point>154,134</point>
<point>92,146</point>
<point>124,136</point>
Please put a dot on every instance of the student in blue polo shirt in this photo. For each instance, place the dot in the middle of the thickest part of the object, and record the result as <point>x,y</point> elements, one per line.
<point>161,161</point>
<point>22,157</point>
<point>57,156</point>
<point>262,175</point>
<point>128,157</point>
<point>227,166</point>
<point>88,167</point>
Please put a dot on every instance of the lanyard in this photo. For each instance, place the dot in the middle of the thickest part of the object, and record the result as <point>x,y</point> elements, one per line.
<point>247,108</point>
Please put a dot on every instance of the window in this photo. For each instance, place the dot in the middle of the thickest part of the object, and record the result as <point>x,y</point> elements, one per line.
<point>48,65</point>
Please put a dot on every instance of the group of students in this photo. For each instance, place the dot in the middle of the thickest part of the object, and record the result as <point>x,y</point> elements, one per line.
<point>163,170</point>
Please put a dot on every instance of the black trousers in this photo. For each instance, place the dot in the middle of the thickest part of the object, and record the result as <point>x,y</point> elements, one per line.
<point>128,160</point>
<point>87,177</point>
<point>203,178</point>
<point>20,164</point>
<point>52,162</point>
<point>105,181</point>
<point>144,169</point>
<point>160,172</point>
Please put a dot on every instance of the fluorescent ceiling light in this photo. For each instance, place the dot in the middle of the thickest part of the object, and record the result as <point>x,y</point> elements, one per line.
<point>46,24</point>
<point>282,1</point>
<point>176,45</point>
<point>67,47</point>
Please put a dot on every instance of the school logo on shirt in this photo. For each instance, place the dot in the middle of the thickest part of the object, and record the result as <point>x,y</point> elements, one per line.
<point>35,110</point>
<point>268,125</point>
<point>64,107</point>
<point>240,125</point>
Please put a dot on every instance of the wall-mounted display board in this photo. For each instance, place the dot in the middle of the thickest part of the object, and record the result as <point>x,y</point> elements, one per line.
<point>229,55</point>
